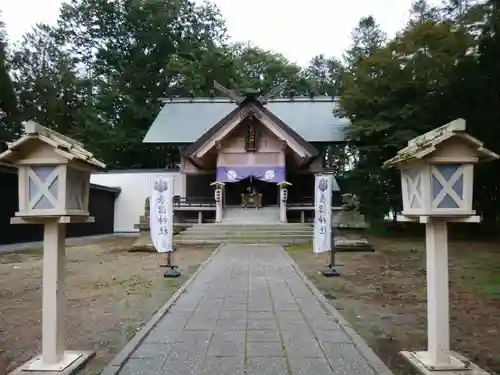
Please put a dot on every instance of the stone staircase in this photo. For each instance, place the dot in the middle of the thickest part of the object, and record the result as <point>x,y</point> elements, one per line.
<point>258,227</point>
<point>272,233</point>
<point>246,226</point>
<point>264,215</point>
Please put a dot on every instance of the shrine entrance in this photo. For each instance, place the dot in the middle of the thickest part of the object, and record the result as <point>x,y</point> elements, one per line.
<point>234,190</point>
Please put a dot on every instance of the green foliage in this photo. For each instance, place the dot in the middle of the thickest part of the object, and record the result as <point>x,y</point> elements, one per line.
<point>428,74</point>
<point>99,73</point>
<point>8,104</point>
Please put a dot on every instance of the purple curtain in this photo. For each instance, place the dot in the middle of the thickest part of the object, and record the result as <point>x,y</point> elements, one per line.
<point>235,174</point>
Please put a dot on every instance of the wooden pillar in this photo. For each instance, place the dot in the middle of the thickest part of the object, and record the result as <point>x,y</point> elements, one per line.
<point>54,288</point>
<point>438,330</point>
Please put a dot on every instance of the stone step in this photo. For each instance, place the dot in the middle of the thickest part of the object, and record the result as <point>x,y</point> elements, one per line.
<point>240,231</point>
<point>283,241</point>
<point>277,226</point>
<point>243,235</point>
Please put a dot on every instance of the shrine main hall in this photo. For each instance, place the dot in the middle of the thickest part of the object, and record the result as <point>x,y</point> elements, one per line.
<point>239,152</point>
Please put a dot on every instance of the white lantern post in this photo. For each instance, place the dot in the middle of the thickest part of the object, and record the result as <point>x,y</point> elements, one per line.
<point>54,180</point>
<point>219,200</point>
<point>283,198</point>
<point>437,181</point>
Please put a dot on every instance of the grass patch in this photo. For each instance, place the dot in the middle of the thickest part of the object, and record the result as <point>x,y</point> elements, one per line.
<point>303,246</point>
<point>383,295</point>
<point>479,273</point>
<point>20,255</point>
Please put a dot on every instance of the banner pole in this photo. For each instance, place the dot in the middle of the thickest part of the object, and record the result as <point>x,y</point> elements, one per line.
<point>322,240</point>
<point>173,270</point>
<point>331,271</point>
<point>161,221</point>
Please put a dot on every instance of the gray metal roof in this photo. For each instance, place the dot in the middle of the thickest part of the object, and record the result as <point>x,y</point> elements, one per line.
<point>184,120</point>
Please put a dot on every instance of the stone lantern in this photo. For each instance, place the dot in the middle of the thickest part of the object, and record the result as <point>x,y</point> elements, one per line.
<point>54,175</point>
<point>437,171</point>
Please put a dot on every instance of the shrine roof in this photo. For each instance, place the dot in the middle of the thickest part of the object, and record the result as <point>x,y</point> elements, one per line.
<point>184,120</point>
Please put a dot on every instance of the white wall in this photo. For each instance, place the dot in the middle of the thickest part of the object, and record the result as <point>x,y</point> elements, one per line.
<point>135,186</point>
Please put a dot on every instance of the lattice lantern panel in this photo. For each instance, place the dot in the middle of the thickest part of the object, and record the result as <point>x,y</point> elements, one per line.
<point>77,191</point>
<point>451,188</point>
<point>414,189</point>
<point>41,193</point>
<point>437,189</point>
<point>52,190</point>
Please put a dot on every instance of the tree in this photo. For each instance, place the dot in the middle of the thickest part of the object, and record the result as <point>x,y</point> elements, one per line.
<point>8,102</point>
<point>262,70</point>
<point>325,75</point>
<point>421,11</point>
<point>47,81</point>
<point>367,38</point>
<point>136,53</point>
<point>477,82</point>
<point>394,92</point>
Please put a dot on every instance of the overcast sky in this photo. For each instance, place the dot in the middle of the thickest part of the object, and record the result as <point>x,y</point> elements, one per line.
<point>299,29</point>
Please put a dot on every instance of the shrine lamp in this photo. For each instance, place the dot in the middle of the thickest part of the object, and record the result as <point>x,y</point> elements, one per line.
<point>437,172</point>
<point>53,173</point>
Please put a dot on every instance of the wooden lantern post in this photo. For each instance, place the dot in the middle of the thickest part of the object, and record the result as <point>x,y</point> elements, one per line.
<point>437,181</point>
<point>219,200</point>
<point>54,180</point>
<point>283,198</point>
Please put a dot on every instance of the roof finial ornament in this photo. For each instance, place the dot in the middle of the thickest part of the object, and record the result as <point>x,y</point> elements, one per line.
<point>238,99</point>
<point>276,90</point>
<point>230,93</point>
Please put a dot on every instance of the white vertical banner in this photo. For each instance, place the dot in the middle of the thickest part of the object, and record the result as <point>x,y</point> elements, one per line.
<point>161,214</point>
<point>322,240</point>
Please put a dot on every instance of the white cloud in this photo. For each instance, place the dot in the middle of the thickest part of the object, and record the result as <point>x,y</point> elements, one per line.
<point>302,29</point>
<point>20,15</point>
<point>298,29</point>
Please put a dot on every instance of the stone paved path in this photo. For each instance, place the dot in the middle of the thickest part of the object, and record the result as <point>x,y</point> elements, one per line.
<point>247,312</point>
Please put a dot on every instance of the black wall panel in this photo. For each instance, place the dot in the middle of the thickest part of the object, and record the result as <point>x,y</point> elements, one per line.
<point>101,206</point>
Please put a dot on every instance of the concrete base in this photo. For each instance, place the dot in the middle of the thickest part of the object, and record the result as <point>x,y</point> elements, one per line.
<point>331,272</point>
<point>343,244</point>
<point>172,271</point>
<point>143,243</point>
<point>72,362</point>
<point>459,365</point>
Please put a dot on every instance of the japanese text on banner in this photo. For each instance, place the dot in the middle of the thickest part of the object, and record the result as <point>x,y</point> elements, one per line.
<point>322,213</point>
<point>161,214</point>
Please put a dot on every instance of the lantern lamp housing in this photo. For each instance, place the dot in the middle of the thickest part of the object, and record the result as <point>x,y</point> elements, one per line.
<point>437,172</point>
<point>53,173</point>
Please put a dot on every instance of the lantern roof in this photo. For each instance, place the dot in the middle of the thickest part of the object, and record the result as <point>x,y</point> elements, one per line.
<point>64,146</point>
<point>426,144</point>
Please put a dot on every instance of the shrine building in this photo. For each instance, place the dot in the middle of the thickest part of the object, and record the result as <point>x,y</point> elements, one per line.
<point>250,146</point>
